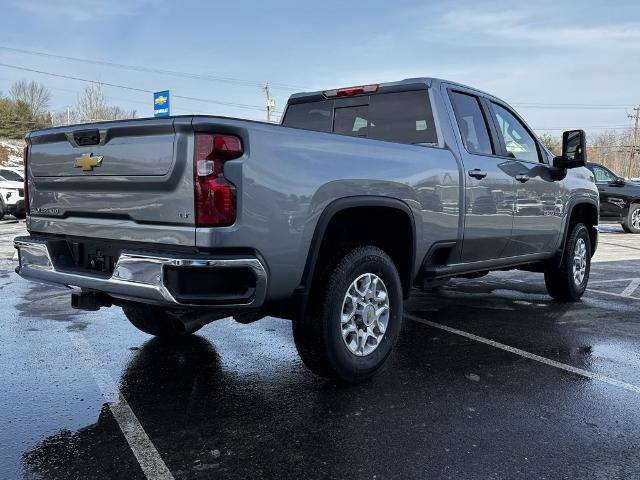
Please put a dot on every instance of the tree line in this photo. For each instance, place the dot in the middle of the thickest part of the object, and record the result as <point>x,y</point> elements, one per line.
<point>27,107</point>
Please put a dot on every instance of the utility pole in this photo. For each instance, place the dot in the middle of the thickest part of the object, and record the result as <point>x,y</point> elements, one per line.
<point>635,139</point>
<point>271,103</point>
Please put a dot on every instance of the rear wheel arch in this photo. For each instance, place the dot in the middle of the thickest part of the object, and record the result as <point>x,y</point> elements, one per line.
<point>353,212</point>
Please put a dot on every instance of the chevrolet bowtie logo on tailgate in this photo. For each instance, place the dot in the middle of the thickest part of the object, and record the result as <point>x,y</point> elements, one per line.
<point>87,161</point>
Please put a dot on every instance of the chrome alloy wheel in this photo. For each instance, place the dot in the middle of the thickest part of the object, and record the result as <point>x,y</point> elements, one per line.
<point>580,262</point>
<point>635,219</point>
<point>365,314</point>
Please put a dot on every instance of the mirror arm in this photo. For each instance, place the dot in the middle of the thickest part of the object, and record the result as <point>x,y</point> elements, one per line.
<point>557,173</point>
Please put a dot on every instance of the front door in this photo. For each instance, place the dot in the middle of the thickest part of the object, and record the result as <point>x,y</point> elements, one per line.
<point>538,208</point>
<point>489,189</point>
<point>612,201</point>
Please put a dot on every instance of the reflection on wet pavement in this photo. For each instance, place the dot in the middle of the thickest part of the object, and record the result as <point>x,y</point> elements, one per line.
<point>236,402</point>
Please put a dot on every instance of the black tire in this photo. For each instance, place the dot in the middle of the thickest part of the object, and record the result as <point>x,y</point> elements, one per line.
<point>628,225</point>
<point>560,281</point>
<point>160,322</point>
<point>3,208</point>
<point>318,333</point>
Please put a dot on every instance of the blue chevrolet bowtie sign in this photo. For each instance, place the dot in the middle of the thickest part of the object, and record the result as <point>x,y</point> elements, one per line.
<point>161,101</point>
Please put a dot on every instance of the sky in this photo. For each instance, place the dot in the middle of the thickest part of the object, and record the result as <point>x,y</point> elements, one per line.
<point>538,56</point>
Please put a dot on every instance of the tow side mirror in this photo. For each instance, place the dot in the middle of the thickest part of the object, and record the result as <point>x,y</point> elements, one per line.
<point>574,150</point>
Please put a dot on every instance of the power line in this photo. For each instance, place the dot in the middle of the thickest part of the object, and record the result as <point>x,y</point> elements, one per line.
<point>583,127</point>
<point>175,73</point>
<point>134,89</point>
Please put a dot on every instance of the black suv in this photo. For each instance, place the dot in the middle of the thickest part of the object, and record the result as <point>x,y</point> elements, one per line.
<point>619,198</point>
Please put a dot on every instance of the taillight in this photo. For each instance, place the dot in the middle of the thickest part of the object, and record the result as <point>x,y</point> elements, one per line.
<point>25,158</point>
<point>351,91</point>
<point>215,197</point>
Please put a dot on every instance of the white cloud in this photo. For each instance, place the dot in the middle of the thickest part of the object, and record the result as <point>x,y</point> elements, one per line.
<point>533,28</point>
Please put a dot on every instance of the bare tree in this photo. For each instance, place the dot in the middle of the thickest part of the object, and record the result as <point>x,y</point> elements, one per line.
<point>611,149</point>
<point>93,106</point>
<point>33,94</point>
<point>553,143</point>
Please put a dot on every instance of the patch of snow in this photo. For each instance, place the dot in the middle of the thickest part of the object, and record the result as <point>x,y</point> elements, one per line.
<point>11,152</point>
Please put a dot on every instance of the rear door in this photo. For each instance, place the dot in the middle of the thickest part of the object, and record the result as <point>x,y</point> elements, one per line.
<point>538,208</point>
<point>489,188</point>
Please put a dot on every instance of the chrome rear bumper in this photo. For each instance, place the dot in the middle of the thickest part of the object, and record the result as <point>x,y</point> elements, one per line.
<point>136,276</point>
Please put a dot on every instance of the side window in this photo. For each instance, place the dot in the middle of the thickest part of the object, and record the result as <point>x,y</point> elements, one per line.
<point>11,175</point>
<point>603,175</point>
<point>518,141</point>
<point>471,122</point>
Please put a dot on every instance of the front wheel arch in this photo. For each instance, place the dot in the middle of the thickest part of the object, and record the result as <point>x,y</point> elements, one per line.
<point>584,211</point>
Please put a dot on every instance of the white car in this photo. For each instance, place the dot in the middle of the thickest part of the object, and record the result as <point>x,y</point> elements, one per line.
<point>11,198</point>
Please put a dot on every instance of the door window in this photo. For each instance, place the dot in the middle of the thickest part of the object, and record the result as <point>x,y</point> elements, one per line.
<point>472,124</point>
<point>603,175</point>
<point>518,141</point>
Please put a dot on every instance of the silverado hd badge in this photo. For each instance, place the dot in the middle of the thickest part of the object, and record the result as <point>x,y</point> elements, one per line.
<point>87,161</point>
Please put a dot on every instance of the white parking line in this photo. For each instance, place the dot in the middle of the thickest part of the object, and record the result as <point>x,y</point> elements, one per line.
<point>630,290</point>
<point>145,452</point>
<point>530,356</point>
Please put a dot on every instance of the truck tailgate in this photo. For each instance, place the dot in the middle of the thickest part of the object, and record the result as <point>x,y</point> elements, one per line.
<point>129,180</point>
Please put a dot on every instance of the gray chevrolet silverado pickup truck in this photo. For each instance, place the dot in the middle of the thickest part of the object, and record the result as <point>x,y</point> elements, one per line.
<point>329,219</point>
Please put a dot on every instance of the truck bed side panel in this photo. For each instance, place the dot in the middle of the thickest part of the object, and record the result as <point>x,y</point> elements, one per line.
<point>288,176</point>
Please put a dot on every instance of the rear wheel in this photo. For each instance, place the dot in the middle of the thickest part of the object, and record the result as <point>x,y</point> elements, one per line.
<point>161,322</point>
<point>568,281</point>
<point>354,317</point>
<point>632,223</point>
<point>3,208</point>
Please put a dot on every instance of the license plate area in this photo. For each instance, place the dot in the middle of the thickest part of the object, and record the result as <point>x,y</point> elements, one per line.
<point>98,258</point>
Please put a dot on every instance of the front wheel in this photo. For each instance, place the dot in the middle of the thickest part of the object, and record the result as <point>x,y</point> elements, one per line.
<point>354,317</point>
<point>568,281</point>
<point>632,223</point>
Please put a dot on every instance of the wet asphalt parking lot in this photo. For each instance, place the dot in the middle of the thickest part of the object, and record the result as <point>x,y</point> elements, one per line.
<point>490,379</point>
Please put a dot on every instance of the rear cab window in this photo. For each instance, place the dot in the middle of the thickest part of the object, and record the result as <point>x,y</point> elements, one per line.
<point>400,117</point>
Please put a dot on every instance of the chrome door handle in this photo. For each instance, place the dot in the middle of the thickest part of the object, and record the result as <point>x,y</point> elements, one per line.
<point>522,178</point>
<point>477,173</point>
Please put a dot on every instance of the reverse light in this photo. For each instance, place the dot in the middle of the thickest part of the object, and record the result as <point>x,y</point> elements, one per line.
<point>215,197</point>
<point>352,91</point>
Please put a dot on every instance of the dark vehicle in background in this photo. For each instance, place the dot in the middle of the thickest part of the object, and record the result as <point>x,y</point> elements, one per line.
<point>619,198</point>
